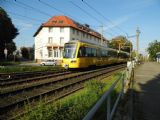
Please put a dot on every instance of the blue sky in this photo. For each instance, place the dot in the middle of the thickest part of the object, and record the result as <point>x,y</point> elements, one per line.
<point>126,14</point>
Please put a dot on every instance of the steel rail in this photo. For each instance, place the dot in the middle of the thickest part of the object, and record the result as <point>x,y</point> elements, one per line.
<point>5,77</point>
<point>79,79</point>
<point>82,78</point>
<point>17,82</point>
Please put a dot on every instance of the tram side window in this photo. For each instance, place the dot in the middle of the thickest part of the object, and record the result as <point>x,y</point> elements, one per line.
<point>112,53</point>
<point>106,53</point>
<point>98,53</point>
<point>82,52</point>
<point>103,53</point>
<point>93,52</point>
<point>88,52</point>
<point>124,55</point>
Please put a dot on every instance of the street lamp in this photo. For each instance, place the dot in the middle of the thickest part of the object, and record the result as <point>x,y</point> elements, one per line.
<point>14,54</point>
<point>5,53</point>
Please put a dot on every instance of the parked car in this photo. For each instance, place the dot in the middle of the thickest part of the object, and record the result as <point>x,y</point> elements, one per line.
<point>48,62</point>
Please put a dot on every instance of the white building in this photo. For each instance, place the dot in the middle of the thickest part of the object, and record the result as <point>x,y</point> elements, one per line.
<point>51,36</point>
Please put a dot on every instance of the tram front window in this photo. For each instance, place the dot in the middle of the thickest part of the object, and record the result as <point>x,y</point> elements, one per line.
<point>69,50</point>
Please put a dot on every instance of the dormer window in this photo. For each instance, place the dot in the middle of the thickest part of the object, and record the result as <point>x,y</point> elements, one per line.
<point>54,22</point>
<point>61,21</point>
<point>50,29</point>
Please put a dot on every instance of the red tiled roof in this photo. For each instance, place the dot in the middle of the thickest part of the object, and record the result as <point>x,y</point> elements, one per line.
<point>64,21</point>
<point>59,21</point>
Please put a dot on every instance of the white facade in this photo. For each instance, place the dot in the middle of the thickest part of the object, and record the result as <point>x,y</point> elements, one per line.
<point>49,41</point>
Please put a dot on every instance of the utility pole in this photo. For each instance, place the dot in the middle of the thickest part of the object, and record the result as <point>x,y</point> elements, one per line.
<point>137,36</point>
<point>101,35</point>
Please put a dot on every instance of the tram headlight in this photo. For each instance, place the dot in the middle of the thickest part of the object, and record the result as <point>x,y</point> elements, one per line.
<point>73,61</point>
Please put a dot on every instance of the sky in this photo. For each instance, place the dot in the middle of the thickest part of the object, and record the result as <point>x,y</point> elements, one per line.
<point>118,17</point>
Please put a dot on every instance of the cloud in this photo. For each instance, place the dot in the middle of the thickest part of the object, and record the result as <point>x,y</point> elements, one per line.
<point>22,26</point>
<point>117,22</point>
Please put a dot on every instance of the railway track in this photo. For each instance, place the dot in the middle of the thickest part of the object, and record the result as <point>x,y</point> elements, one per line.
<point>7,83</point>
<point>4,77</point>
<point>52,89</point>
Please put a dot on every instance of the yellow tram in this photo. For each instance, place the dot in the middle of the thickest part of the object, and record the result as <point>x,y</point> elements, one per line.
<point>79,54</point>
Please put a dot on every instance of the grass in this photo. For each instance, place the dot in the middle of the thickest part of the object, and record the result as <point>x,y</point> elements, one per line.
<point>11,69</point>
<point>75,106</point>
<point>6,63</point>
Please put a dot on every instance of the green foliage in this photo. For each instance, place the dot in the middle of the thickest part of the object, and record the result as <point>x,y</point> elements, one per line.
<point>153,48</point>
<point>73,107</point>
<point>27,52</point>
<point>10,69</point>
<point>122,43</point>
<point>7,33</point>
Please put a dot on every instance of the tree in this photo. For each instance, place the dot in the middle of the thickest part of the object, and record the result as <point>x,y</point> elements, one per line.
<point>7,33</point>
<point>121,43</point>
<point>25,52</point>
<point>153,48</point>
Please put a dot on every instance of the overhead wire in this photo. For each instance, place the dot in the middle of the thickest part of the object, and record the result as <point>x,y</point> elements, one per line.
<point>30,7</point>
<point>52,7</point>
<point>86,12</point>
<point>23,16</point>
<point>30,18</point>
<point>107,19</point>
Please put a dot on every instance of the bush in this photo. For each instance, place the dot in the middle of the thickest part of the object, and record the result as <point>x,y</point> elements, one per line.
<point>73,107</point>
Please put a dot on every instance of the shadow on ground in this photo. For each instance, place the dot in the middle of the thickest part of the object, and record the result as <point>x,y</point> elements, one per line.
<point>147,100</point>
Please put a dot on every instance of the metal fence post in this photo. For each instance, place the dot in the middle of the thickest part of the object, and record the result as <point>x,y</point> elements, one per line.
<point>122,86</point>
<point>109,107</point>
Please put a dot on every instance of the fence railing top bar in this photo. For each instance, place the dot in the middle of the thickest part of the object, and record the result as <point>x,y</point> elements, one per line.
<point>91,113</point>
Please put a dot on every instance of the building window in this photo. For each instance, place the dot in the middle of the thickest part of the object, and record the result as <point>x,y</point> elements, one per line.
<point>77,32</point>
<point>83,34</point>
<point>61,29</point>
<point>50,53</point>
<point>50,40</point>
<point>61,53</point>
<point>54,22</point>
<point>55,53</point>
<point>50,29</point>
<point>73,31</point>
<point>61,21</point>
<point>73,38</point>
<point>41,53</point>
<point>61,40</point>
<point>87,36</point>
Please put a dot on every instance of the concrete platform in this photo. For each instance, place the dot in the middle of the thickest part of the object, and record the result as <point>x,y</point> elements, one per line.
<point>147,84</point>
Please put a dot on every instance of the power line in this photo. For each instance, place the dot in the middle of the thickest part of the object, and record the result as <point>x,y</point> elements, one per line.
<point>51,6</point>
<point>103,16</point>
<point>110,34</point>
<point>24,16</point>
<point>90,15</point>
<point>86,12</point>
<point>28,6</point>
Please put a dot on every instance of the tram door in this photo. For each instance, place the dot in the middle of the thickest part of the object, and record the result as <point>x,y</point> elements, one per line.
<point>99,57</point>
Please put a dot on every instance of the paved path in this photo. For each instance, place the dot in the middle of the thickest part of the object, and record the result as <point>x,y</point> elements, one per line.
<point>147,83</point>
